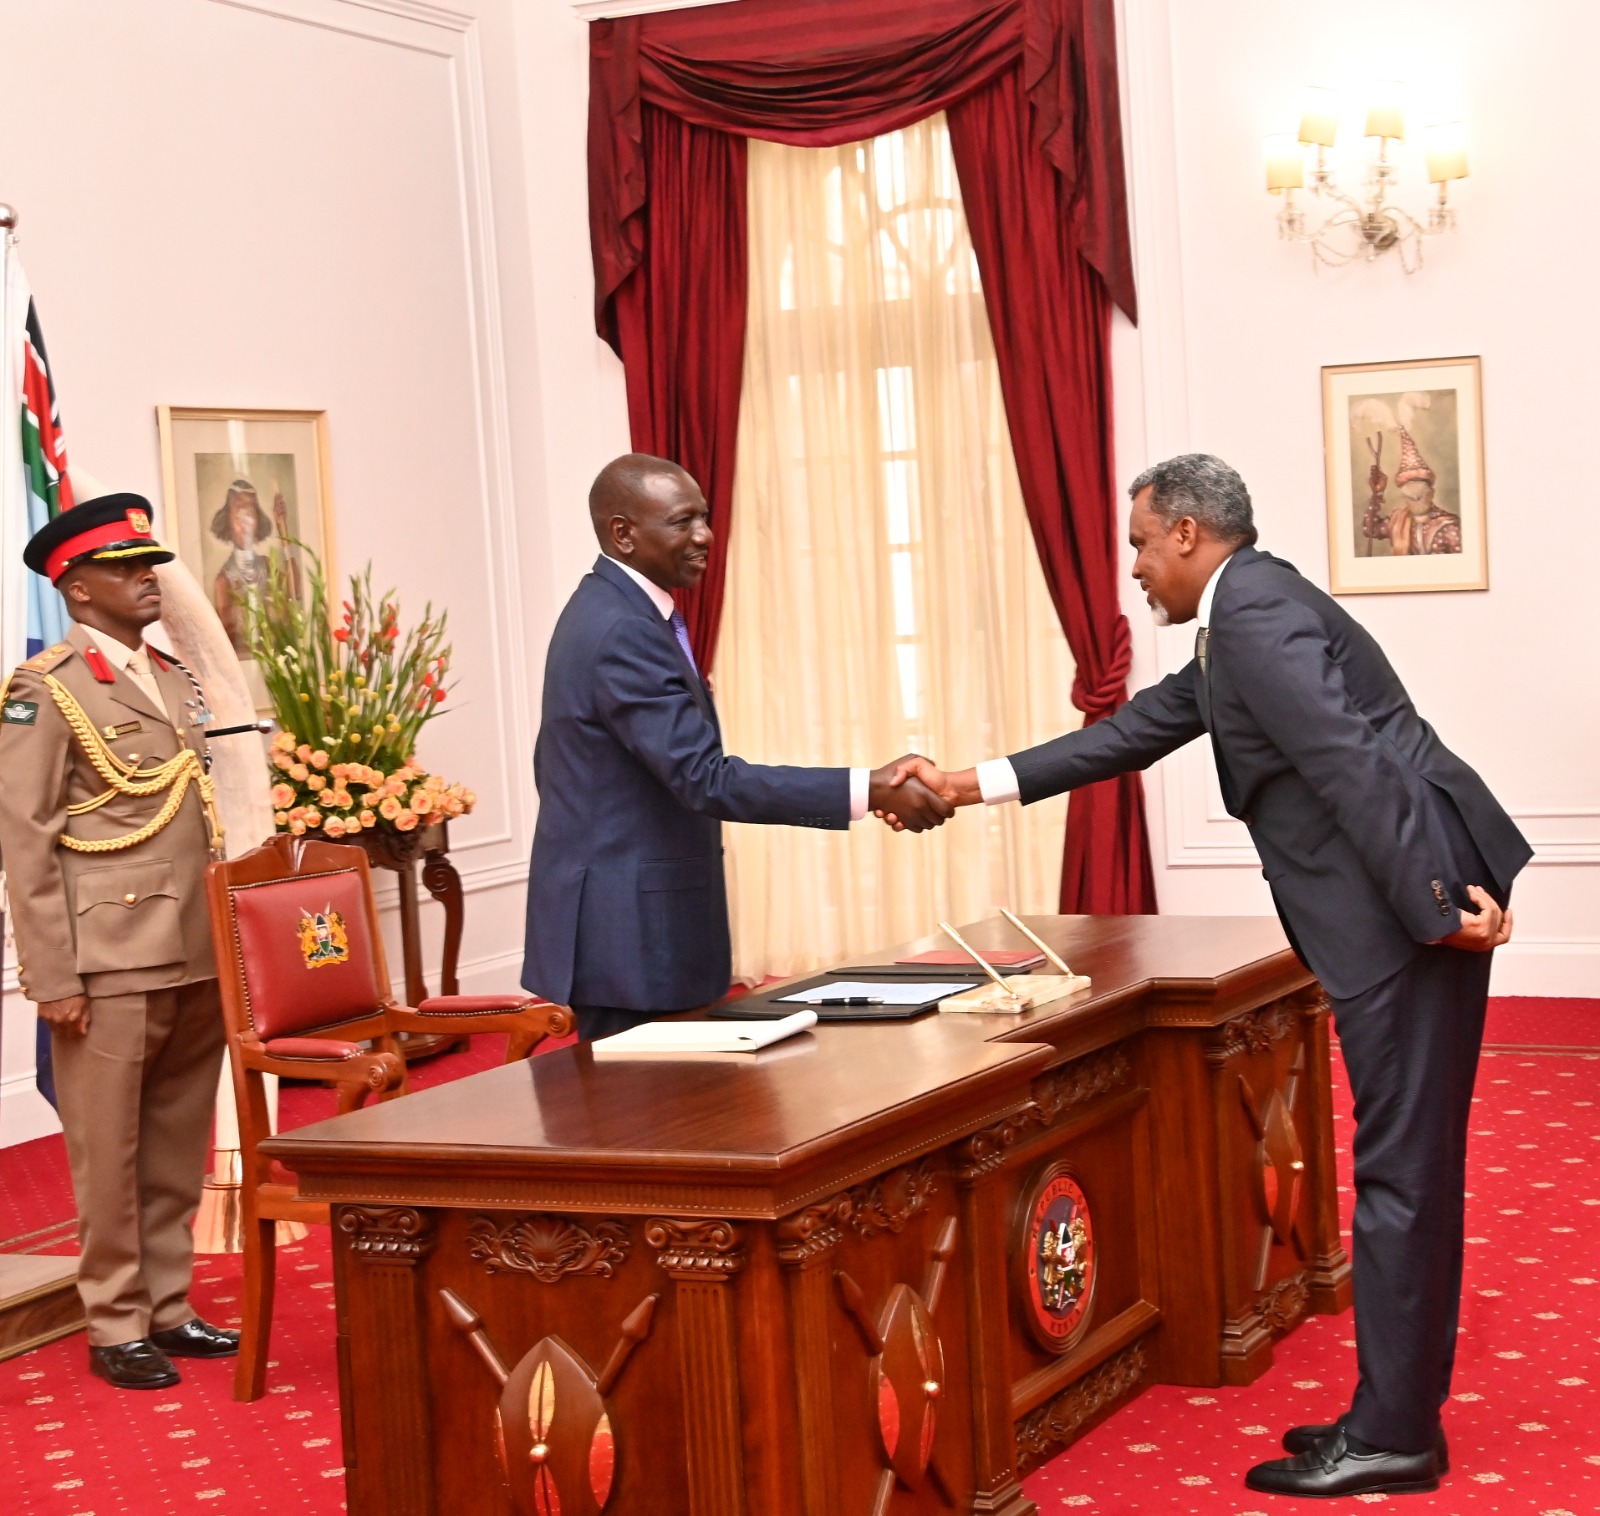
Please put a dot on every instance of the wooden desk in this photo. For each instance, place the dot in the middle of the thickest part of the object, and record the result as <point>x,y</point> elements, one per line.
<point>802,1279</point>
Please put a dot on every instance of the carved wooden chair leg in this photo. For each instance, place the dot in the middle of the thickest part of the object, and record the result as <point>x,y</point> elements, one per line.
<point>255,1318</point>
<point>520,1044</point>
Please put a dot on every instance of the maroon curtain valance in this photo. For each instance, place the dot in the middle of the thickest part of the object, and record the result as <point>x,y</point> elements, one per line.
<point>1031,91</point>
<point>821,72</point>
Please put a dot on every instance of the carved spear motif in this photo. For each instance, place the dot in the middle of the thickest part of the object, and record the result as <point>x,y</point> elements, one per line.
<point>634,1331</point>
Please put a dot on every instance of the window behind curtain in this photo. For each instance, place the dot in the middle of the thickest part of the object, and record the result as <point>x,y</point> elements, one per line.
<point>884,593</point>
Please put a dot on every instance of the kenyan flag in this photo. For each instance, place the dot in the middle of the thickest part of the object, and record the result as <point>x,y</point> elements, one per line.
<point>33,487</point>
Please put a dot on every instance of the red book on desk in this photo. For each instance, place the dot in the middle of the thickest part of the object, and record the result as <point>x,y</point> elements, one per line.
<point>1000,958</point>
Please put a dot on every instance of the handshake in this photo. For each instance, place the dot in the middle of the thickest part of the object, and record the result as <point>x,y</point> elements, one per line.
<point>913,795</point>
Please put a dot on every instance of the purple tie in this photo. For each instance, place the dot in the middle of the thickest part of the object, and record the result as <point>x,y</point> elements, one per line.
<point>680,630</point>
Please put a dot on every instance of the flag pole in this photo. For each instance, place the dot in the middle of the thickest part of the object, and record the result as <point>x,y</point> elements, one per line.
<point>8,227</point>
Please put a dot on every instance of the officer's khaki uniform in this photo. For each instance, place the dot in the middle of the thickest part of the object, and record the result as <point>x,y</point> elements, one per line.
<point>128,929</point>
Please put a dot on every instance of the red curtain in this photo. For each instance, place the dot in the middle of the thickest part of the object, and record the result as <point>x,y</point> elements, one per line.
<point>1031,88</point>
<point>1051,320</point>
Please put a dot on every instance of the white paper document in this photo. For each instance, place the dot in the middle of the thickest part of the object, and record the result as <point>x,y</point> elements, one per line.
<point>879,992</point>
<point>654,1038</point>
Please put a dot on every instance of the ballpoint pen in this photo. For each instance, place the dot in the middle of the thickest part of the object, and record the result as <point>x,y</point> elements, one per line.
<point>1039,942</point>
<point>982,962</point>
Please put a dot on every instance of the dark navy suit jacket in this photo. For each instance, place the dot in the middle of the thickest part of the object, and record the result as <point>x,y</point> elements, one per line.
<point>1369,828</point>
<point>627,905</point>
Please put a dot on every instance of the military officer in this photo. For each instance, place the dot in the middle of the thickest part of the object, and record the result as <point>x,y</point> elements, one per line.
<point>106,828</point>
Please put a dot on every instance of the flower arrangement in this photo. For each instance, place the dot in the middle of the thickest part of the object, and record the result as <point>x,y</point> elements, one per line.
<point>351,699</point>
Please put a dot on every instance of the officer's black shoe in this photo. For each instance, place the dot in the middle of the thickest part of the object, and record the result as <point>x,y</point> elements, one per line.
<point>1303,1439</point>
<point>1330,1469</point>
<point>197,1339</point>
<point>137,1365</point>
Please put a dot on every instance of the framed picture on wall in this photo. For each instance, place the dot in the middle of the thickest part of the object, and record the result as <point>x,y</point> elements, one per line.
<point>1404,449</point>
<point>241,487</point>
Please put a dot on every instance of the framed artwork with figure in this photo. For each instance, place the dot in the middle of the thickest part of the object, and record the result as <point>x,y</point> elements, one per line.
<point>1404,449</point>
<point>242,488</point>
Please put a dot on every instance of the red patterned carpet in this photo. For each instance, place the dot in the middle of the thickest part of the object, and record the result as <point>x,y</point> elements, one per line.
<point>1524,1423</point>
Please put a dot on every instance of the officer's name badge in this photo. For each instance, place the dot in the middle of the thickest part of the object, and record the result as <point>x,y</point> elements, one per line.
<point>122,729</point>
<point>21,712</point>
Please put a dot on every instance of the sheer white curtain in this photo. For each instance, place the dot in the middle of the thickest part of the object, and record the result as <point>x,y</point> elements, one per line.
<point>884,593</point>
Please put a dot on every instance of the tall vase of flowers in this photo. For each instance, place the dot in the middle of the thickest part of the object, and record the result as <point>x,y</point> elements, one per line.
<point>352,694</point>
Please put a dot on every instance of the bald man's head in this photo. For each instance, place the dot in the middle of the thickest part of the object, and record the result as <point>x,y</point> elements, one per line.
<point>649,514</point>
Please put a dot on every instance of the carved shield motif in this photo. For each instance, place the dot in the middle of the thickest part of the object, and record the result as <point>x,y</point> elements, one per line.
<point>555,1436</point>
<point>909,1375</point>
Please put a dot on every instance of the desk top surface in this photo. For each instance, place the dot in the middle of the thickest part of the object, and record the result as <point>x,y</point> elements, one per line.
<point>773,1110</point>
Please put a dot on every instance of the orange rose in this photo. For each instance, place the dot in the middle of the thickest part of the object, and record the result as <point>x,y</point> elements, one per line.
<point>303,752</point>
<point>319,759</point>
<point>282,761</point>
<point>280,818</point>
<point>313,816</point>
<point>283,796</point>
<point>421,802</point>
<point>316,782</point>
<point>333,827</point>
<point>297,827</point>
<point>390,808</point>
<point>300,772</point>
<point>368,818</point>
<point>283,742</point>
<point>406,821</point>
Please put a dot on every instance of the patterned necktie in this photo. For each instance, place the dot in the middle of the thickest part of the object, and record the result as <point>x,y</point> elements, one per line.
<point>680,630</point>
<point>1202,639</point>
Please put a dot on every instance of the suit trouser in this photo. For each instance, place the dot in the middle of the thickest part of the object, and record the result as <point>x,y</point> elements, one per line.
<point>1411,1047</point>
<point>136,1096</point>
<point>596,1021</point>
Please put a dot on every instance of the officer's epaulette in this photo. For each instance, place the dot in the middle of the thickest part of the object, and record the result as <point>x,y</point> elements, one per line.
<point>42,663</point>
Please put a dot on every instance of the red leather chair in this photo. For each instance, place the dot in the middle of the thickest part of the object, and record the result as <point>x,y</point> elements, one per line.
<point>304,987</point>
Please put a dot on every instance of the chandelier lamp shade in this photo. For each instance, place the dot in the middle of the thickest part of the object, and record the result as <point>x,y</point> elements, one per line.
<point>1369,223</point>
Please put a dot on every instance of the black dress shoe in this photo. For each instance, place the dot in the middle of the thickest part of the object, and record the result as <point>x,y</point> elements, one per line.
<point>1330,1469</point>
<point>1303,1439</point>
<point>137,1365</point>
<point>197,1339</point>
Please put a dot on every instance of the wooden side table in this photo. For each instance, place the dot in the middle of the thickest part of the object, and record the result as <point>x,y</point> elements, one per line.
<point>401,853</point>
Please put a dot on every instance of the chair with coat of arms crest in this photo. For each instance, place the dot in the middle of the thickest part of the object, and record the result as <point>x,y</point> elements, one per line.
<point>305,990</point>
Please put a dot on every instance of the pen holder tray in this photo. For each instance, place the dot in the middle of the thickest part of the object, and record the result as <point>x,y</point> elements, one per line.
<point>1028,992</point>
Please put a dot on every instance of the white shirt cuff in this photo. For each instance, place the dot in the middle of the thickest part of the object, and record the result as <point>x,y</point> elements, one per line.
<point>860,783</point>
<point>997,782</point>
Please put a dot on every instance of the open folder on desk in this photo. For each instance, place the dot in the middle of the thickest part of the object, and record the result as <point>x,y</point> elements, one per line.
<point>661,1039</point>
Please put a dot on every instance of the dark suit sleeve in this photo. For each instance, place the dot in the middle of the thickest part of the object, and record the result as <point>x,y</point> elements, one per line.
<point>1155,722</point>
<point>1280,660</point>
<point>642,695</point>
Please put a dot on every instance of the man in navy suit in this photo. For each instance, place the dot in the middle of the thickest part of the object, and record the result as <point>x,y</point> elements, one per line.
<point>1391,867</point>
<point>627,908</point>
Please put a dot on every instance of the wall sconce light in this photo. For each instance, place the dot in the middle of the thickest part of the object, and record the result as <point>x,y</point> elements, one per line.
<point>1374,223</point>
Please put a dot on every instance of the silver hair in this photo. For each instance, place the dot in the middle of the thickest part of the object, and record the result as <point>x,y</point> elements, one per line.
<point>1198,485</point>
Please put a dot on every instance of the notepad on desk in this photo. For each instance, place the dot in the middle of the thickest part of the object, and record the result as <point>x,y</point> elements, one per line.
<point>1019,960</point>
<point>661,1039</point>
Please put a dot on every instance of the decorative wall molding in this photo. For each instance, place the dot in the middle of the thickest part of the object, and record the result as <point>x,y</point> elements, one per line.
<point>454,38</point>
<point>548,1247</point>
<point>606,10</point>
